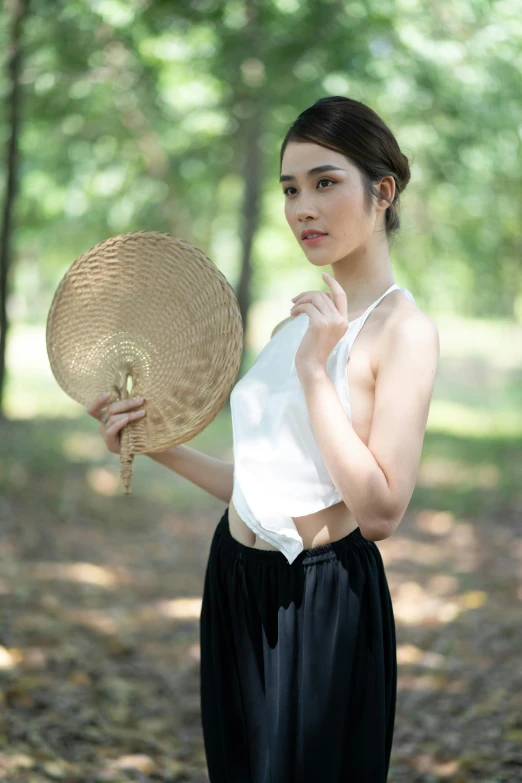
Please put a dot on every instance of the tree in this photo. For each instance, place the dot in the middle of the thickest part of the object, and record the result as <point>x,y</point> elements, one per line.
<point>17,10</point>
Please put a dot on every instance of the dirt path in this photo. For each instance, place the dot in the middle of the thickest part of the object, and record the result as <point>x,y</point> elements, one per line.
<point>99,635</point>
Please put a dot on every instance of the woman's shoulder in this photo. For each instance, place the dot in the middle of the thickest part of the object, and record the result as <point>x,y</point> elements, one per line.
<point>406,321</point>
<point>403,312</point>
<point>410,325</point>
<point>408,315</point>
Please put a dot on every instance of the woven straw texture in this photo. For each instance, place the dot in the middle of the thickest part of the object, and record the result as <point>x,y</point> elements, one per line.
<point>147,314</point>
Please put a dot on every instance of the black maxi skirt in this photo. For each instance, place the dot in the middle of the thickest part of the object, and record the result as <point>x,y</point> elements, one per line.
<point>298,663</point>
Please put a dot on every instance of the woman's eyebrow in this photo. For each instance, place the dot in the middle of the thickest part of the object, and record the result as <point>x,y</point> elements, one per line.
<point>316,170</point>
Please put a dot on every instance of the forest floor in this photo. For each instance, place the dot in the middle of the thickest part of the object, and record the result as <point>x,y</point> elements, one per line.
<point>101,596</point>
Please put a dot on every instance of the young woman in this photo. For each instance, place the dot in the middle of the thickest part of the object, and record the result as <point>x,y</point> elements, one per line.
<point>298,645</point>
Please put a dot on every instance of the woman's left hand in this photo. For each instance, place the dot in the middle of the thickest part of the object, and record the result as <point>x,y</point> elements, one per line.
<point>328,323</point>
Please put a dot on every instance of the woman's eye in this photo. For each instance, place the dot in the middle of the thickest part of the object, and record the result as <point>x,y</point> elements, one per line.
<point>324,179</point>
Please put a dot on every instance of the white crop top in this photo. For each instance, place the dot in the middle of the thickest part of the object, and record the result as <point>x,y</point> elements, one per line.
<point>279,472</point>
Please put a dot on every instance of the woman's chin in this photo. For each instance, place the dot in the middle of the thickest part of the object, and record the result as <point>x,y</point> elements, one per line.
<point>320,261</point>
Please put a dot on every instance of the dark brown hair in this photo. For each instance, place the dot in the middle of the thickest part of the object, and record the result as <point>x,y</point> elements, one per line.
<point>350,127</point>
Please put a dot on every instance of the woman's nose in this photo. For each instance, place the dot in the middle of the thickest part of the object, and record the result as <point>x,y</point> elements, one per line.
<point>306,211</point>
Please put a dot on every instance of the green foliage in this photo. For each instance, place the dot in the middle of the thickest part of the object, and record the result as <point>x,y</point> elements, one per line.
<point>136,116</point>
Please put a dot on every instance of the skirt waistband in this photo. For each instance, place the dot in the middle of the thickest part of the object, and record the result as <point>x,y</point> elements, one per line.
<point>329,551</point>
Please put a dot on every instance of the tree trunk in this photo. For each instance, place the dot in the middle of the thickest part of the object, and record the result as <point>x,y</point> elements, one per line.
<point>250,214</point>
<point>17,10</point>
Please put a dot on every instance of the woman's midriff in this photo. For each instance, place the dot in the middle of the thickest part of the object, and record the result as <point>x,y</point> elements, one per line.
<point>323,527</point>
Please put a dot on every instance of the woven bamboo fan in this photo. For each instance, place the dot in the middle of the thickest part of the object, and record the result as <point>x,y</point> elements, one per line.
<point>147,314</point>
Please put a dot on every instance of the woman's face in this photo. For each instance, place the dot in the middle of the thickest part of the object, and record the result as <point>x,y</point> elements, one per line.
<point>331,201</point>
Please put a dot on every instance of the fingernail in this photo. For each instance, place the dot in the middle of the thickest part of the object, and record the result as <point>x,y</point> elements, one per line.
<point>105,395</point>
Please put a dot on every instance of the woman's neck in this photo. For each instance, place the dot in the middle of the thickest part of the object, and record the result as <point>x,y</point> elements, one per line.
<point>363,279</point>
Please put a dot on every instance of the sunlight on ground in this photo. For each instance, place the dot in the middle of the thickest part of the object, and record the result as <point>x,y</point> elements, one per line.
<point>104,481</point>
<point>449,472</point>
<point>81,447</point>
<point>437,523</point>
<point>477,357</point>
<point>460,420</point>
<point>81,573</point>
<point>112,621</point>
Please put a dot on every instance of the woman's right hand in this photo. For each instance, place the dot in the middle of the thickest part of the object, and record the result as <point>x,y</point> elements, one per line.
<point>116,416</point>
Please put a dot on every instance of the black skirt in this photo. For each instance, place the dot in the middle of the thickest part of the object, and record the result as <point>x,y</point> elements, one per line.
<point>298,663</point>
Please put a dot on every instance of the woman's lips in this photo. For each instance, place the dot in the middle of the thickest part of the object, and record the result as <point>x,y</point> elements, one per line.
<point>314,240</point>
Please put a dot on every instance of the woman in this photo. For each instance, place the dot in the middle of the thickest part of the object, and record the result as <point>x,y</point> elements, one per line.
<point>298,645</point>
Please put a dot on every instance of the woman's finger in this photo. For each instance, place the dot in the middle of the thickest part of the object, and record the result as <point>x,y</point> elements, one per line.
<point>339,294</point>
<point>118,406</point>
<point>318,299</point>
<point>116,423</point>
<point>304,293</point>
<point>116,418</point>
<point>111,432</point>
<point>94,407</point>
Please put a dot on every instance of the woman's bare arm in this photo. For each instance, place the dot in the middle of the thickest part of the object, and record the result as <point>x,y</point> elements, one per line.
<point>213,475</point>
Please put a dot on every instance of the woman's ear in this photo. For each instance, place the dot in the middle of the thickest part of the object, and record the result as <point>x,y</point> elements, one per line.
<point>388,188</point>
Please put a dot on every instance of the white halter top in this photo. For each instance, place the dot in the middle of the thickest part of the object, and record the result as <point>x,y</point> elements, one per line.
<point>279,472</point>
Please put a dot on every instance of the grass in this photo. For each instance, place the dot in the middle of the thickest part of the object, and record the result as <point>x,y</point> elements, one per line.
<point>470,460</point>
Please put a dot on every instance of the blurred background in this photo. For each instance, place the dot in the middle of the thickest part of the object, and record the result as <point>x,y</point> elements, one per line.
<point>140,114</point>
